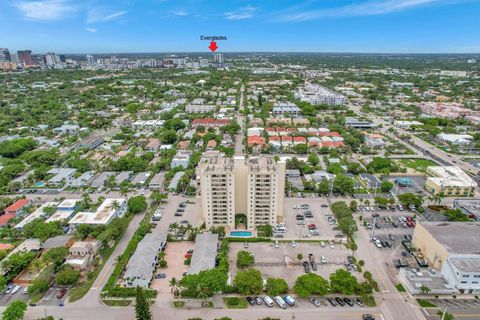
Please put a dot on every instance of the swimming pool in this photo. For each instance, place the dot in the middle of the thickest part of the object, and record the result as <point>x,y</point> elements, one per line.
<point>241,234</point>
<point>39,184</point>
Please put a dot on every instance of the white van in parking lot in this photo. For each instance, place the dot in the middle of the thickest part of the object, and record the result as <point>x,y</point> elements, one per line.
<point>268,301</point>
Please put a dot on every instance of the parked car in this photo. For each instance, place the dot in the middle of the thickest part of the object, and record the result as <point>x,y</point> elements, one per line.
<point>160,276</point>
<point>340,301</point>
<point>268,301</point>
<point>250,301</point>
<point>315,302</point>
<point>358,302</point>
<point>367,316</point>
<point>281,303</point>
<point>61,293</point>
<point>311,258</point>
<point>258,300</point>
<point>306,266</point>
<point>332,302</point>
<point>348,301</point>
<point>289,300</point>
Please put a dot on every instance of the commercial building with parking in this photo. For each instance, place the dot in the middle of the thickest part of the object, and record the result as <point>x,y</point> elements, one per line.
<point>452,248</point>
<point>450,181</point>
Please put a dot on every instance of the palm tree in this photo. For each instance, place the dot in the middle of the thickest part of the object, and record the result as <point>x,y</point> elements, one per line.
<point>173,284</point>
<point>203,292</point>
<point>115,205</point>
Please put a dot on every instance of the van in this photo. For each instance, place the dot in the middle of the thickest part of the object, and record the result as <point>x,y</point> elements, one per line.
<point>268,301</point>
<point>289,300</point>
<point>281,303</point>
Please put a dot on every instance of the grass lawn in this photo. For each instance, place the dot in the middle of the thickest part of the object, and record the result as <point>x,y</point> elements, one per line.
<point>419,165</point>
<point>235,303</point>
<point>400,288</point>
<point>425,304</point>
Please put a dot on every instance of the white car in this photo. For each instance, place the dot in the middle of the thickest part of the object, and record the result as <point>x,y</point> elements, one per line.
<point>378,243</point>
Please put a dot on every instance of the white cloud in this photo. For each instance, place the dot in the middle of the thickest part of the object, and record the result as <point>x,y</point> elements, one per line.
<point>367,8</point>
<point>92,30</point>
<point>45,10</point>
<point>179,13</point>
<point>241,14</point>
<point>101,15</point>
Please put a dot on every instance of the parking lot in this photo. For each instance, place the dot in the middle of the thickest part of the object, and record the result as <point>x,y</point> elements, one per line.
<point>282,262</point>
<point>390,237</point>
<point>175,256</point>
<point>6,298</point>
<point>318,207</point>
<point>50,297</point>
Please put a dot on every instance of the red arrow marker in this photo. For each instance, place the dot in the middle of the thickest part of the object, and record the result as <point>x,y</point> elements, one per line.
<point>213,46</point>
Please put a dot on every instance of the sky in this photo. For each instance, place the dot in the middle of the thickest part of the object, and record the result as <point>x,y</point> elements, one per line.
<point>109,26</point>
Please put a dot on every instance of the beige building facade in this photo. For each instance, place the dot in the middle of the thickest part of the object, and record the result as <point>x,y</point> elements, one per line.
<point>252,186</point>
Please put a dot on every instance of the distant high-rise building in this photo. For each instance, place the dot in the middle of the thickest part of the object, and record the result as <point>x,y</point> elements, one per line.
<point>25,57</point>
<point>203,63</point>
<point>5,55</point>
<point>90,59</point>
<point>218,58</point>
<point>52,59</point>
<point>14,57</point>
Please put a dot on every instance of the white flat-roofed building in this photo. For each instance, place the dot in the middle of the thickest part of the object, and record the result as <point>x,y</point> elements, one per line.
<point>65,210</point>
<point>316,94</point>
<point>105,213</point>
<point>83,180</point>
<point>455,139</point>
<point>204,252</point>
<point>38,213</point>
<point>406,124</point>
<point>450,181</point>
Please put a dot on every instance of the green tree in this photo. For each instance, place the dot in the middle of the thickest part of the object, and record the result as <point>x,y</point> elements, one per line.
<point>343,184</point>
<point>353,205</point>
<point>342,281</point>
<point>309,284</point>
<point>67,277</point>
<point>15,310</point>
<point>386,186</point>
<point>301,148</point>
<point>276,286</point>
<point>142,308</point>
<point>244,259</point>
<point>313,159</point>
<point>137,204</point>
<point>248,281</point>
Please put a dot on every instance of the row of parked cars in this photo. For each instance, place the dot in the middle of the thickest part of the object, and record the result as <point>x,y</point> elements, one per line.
<point>269,302</point>
<point>285,301</point>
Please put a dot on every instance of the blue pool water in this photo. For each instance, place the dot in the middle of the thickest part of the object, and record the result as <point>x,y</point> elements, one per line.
<point>39,184</point>
<point>241,234</point>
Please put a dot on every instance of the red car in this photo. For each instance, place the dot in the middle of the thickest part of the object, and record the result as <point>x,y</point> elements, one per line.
<point>312,226</point>
<point>409,218</point>
<point>61,293</point>
<point>188,255</point>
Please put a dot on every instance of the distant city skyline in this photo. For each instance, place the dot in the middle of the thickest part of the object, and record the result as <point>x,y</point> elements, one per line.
<point>363,26</point>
